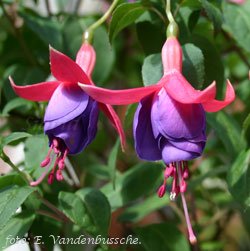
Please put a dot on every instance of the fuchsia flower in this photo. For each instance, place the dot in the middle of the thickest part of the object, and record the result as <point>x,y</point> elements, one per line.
<point>170,122</point>
<point>71,117</point>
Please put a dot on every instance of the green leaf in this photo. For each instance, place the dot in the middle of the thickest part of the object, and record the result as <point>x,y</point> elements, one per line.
<point>99,171</point>
<point>151,23</point>
<point>18,226</point>
<point>237,23</point>
<point>12,137</point>
<point>228,131</point>
<point>88,208</point>
<point>13,104</point>
<point>10,200</point>
<point>36,148</point>
<point>112,161</point>
<point>239,178</point>
<point>48,31</point>
<point>193,19</point>
<point>11,179</point>
<point>162,237</point>
<point>213,13</point>
<point>192,4</point>
<point>193,66</point>
<point>136,182</point>
<point>72,206</point>
<point>214,68</point>
<point>124,15</point>
<point>98,209</point>
<point>246,125</point>
<point>152,70</point>
<point>104,51</point>
<point>22,75</point>
<point>137,212</point>
<point>71,28</point>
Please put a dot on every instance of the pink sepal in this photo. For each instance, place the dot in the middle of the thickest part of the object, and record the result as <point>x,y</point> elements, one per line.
<point>65,69</point>
<point>86,57</point>
<point>216,105</point>
<point>179,89</point>
<point>37,92</point>
<point>115,121</point>
<point>119,97</point>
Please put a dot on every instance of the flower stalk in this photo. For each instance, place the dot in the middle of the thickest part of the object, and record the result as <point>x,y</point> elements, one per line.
<point>172,29</point>
<point>26,177</point>
<point>88,34</point>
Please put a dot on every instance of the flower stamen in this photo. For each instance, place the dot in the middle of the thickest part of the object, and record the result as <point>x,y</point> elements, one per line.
<point>47,159</point>
<point>192,237</point>
<point>179,171</point>
<point>61,152</point>
<point>41,178</point>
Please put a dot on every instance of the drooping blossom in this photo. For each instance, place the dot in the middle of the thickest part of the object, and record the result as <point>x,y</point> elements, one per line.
<point>170,122</point>
<point>70,120</point>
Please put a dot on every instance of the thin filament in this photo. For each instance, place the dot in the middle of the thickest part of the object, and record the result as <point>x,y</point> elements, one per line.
<point>41,178</point>
<point>191,234</point>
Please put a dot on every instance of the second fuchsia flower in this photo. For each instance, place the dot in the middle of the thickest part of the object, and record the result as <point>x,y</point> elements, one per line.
<point>70,120</point>
<point>171,113</point>
<point>170,121</point>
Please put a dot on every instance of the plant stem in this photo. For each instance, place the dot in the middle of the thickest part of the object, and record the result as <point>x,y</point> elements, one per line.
<point>88,34</point>
<point>53,208</point>
<point>72,173</point>
<point>157,12</point>
<point>45,213</point>
<point>172,29</point>
<point>26,177</point>
<point>168,12</point>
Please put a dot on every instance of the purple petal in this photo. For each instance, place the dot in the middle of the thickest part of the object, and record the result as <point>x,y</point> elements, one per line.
<point>65,104</point>
<point>145,144</point>
<point>171,118</point>
<point>89,120</point>
<point>171,153</point>
<point>80,131</point>
<point>71,133</point>
<point>189,146</point>
<point>201,138</point>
